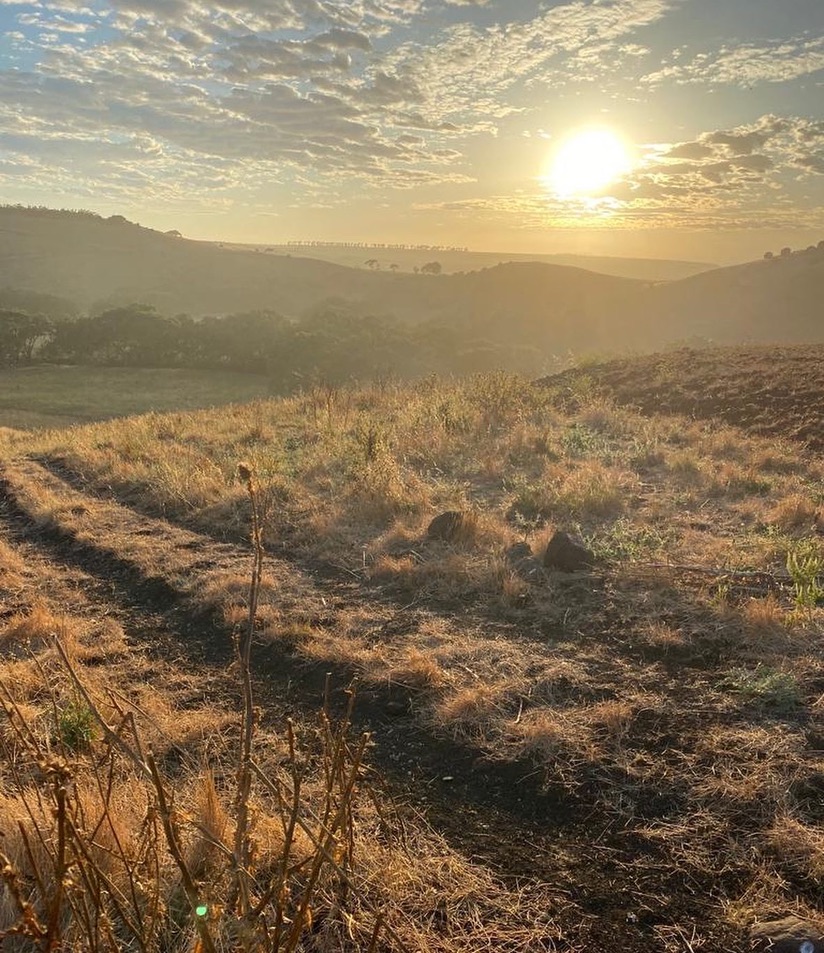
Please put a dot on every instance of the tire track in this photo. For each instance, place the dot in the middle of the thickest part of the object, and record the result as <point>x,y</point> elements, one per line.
<point>151,573</point>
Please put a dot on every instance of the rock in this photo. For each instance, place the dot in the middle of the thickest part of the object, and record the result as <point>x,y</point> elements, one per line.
<point>518,553</point>
<point>446,525</point>
<point>789,935</point>
<point>567,553</point>
<point>521,560</point>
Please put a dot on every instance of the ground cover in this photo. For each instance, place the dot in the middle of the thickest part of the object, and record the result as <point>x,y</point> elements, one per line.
<point>773,391</point>
<point>652,728</point>
<point>46,396</point>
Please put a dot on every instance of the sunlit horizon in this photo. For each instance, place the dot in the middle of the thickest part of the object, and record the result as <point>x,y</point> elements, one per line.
<point>426,121</point>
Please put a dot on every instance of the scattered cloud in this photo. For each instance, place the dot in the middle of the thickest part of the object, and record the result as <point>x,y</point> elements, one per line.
<point>746,65</point>
<point>314,102</point>
<point>467,74</point>
<point>293,90</point>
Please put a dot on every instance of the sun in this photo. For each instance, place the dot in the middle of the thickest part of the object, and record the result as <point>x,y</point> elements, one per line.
<point>586,162</point>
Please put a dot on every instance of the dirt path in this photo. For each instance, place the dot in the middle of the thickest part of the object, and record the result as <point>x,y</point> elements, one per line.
<point>166,585</point>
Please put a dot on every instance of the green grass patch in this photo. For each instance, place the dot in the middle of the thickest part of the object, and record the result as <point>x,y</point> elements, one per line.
<point>774,690</point>
<point>51,396</point>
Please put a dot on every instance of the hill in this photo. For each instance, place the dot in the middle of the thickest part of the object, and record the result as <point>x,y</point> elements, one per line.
<point>456,260</point>
<point>550,308</point>
<point>771,301</point>
<point>624,757</point>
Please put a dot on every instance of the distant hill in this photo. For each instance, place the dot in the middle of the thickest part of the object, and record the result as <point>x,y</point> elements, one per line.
<point>100,263</point>
<point>105,262</point>
<point>408,259</point>
<point>768,301</point>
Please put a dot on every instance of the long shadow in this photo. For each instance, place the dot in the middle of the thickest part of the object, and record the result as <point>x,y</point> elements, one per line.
<point>499,812</point>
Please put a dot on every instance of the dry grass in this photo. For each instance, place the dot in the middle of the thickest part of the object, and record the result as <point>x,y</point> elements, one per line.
<point>115,841</point>
<point>625,686</point>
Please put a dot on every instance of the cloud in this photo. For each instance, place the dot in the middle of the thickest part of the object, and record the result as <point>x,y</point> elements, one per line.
<point>744,177</point>
<point>306,91</point>
<point>726,175</point>
<point>778,61</point>
<point>466,75</point>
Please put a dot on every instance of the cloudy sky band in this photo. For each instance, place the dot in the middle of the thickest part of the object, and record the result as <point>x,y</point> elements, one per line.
<point>427,116</point>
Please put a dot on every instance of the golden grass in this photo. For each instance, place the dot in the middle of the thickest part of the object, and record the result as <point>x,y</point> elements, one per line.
<point>611,682</point>
<point>797,846</point>
<point>402,875</point>
<point>796,511</point>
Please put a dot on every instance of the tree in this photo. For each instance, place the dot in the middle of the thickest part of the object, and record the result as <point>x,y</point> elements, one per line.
<point>768,255</point>
<point>19,335</point>
<point>247,341</point>
<point>786,252</point>
<point>431,268</point>
<point>134,335</point>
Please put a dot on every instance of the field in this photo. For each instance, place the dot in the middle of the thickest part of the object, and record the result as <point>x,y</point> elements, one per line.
<point>625,758</point>
<point>51,396</point>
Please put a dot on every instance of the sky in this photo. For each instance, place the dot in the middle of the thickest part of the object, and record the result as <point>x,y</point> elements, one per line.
<point>424,121</point>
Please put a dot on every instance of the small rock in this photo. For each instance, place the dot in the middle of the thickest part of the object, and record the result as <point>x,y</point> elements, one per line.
<point>789,935</point>
<point>568,553</point>
<point>446,525</point>
<point>521,560</point>
<point>518,553</point>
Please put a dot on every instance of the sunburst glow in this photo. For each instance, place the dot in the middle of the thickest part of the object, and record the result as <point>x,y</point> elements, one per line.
<point>586,162</point>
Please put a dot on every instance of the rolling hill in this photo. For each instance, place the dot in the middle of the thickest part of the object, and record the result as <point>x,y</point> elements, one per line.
<point>456,260</point>
<point>556,308</point>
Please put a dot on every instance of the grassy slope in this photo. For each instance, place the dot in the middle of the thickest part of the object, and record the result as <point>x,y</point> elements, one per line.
<point>772,391</point>
<point>674,692</point>
<point>182,698</point>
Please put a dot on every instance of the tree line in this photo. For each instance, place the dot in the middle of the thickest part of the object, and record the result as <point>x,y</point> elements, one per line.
<point>333,344</point>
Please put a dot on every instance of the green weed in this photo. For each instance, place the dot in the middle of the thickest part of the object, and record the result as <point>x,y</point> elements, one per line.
<point>770,688</point>
<point>805,564</point>
<point>76,725</point>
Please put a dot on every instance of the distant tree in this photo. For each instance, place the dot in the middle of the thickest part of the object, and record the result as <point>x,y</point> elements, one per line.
<point>134,336</point>
<point>820,245</point>
<point>372,263</point>
<point>20,333</point>
<point>768,255</point>
<point>174,233</point>
<point>786,252</point>
<point>431,268</point>
<point>394,266</point>
<point>247,341</point>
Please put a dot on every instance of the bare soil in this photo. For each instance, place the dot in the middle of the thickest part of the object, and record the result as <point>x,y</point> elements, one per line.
<point>770,391</point>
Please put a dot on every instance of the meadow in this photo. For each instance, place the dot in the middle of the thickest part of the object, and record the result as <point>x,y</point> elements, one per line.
<point>644,736</point>
<point>43,396</point>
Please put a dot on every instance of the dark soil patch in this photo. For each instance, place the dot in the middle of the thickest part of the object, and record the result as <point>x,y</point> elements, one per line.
<point>772,391</point>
